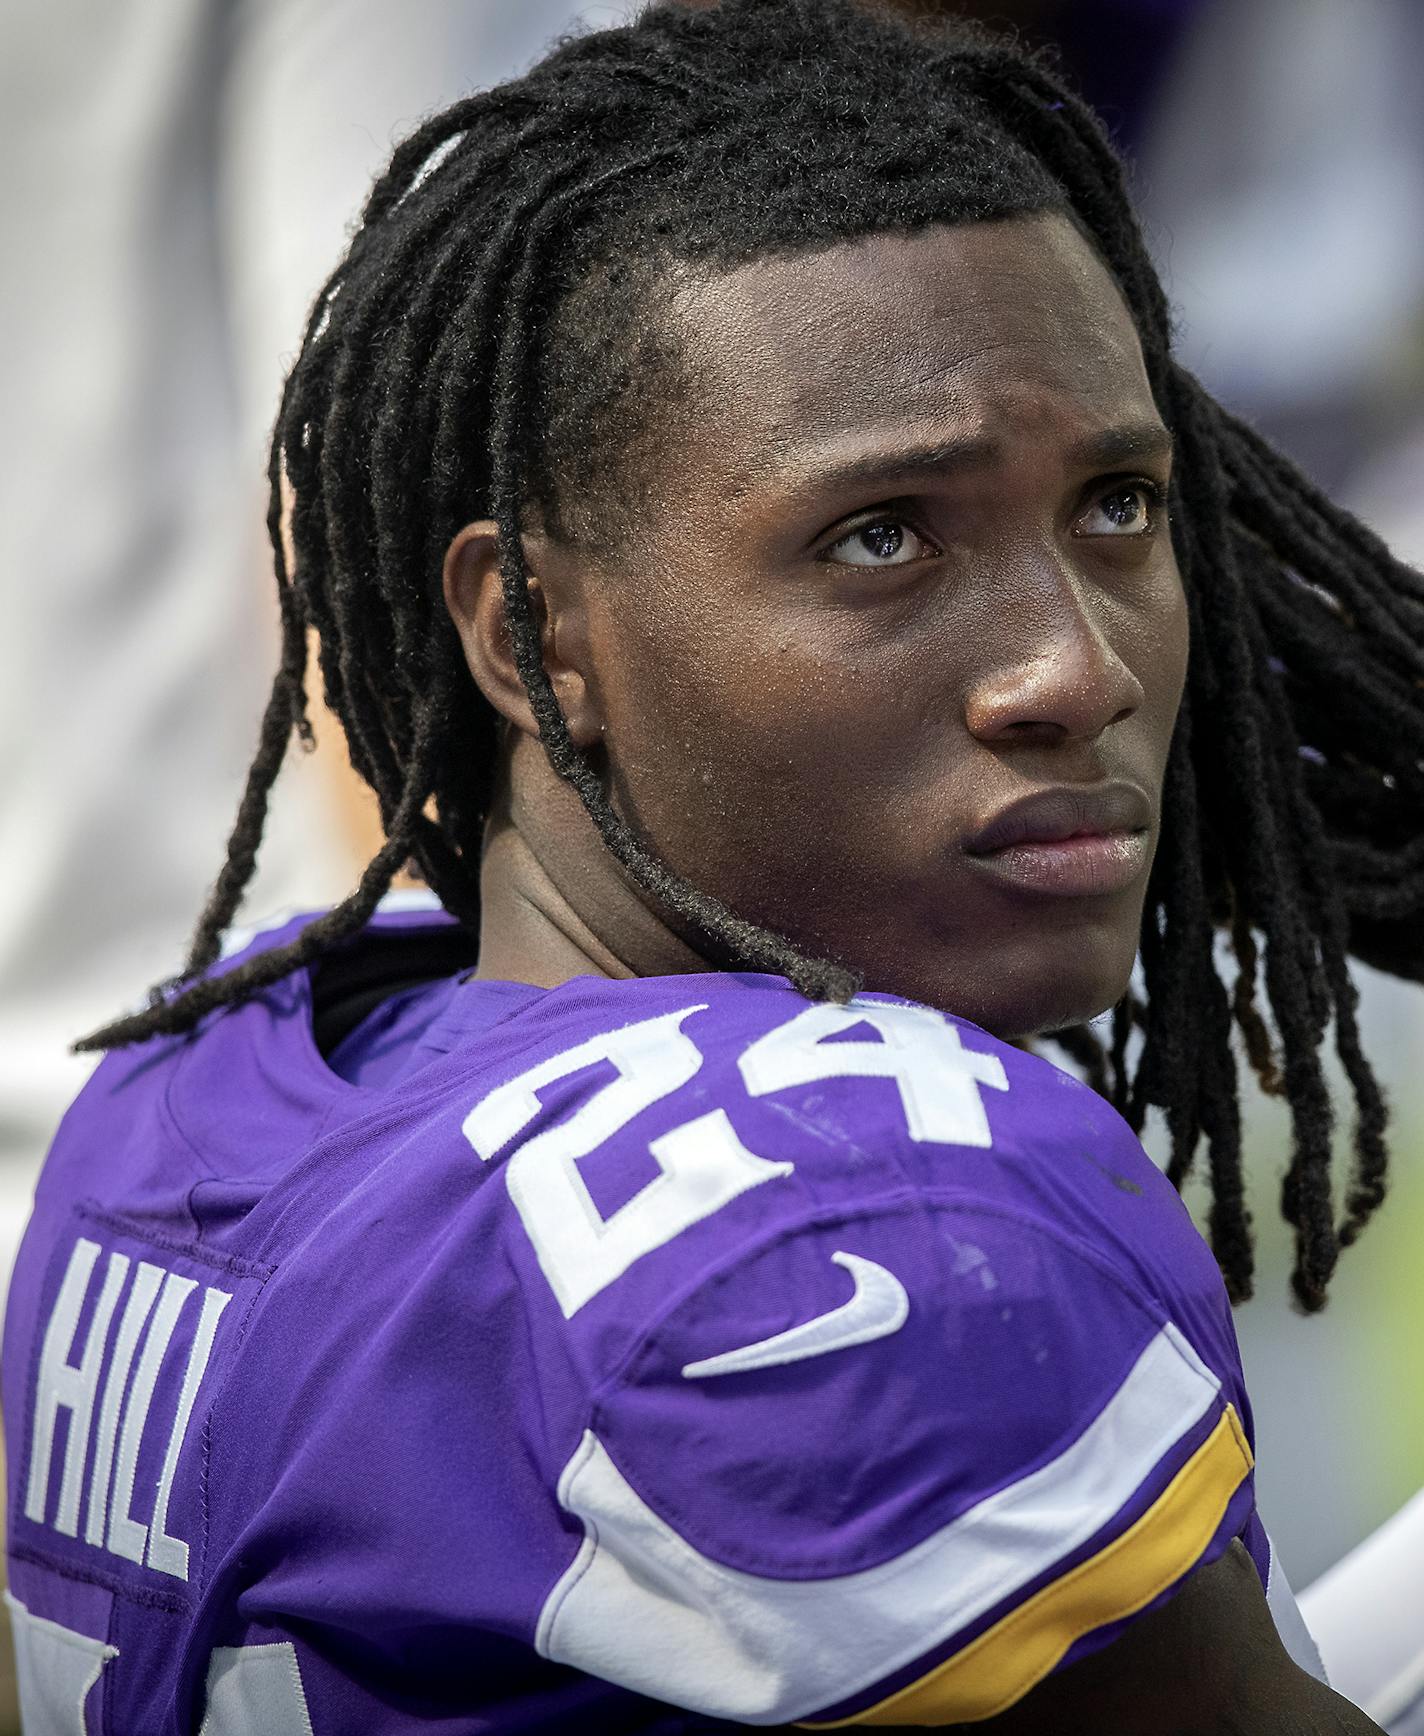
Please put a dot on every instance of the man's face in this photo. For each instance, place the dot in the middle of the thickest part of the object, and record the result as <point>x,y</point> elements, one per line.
<point>906,563</point>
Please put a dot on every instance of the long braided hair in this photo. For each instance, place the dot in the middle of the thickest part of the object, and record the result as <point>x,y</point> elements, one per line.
<point>490,341</point>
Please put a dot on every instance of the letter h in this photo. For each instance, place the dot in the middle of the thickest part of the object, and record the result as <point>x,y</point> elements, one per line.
<point>73,1385</point>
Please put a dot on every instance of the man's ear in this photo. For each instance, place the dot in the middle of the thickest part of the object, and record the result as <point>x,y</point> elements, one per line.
<point>474,596</point>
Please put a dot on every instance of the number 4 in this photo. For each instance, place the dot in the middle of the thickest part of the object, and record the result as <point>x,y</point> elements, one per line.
<point>938,1078</point>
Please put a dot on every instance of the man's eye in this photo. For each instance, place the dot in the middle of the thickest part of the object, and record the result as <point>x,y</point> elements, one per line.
<point>885,543</point>
<point>1130,509</point>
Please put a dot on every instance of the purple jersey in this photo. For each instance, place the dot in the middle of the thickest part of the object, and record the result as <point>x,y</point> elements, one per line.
<point>630,1356</point>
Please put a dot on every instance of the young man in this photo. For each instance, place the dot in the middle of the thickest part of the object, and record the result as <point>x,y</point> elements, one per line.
<point>660,1291</point>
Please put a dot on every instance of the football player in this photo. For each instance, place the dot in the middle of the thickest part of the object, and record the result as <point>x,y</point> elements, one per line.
<point>811,638</point>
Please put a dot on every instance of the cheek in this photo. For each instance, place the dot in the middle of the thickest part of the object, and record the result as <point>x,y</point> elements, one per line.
<point>1165,663</point>
<point>756,744</point>
<point>758,718</point>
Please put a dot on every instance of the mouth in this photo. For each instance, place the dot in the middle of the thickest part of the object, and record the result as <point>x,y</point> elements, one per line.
<point>1071,841</point>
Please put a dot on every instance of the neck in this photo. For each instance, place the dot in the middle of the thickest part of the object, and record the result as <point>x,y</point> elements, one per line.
<point>555,903</point>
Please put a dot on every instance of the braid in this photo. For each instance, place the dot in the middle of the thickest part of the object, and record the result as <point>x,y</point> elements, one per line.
<point>487,346</point>
<point>731,936</point>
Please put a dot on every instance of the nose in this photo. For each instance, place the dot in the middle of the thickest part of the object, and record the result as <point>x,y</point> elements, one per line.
<point>1057,676</point>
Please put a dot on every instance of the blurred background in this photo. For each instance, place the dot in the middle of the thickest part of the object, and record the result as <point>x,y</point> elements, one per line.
<point>177,177</point>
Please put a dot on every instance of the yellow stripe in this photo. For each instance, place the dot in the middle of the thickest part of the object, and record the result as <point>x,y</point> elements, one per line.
<point>1006,1660</point>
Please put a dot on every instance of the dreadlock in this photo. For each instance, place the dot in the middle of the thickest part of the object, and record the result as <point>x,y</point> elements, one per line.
<point>491,342</point>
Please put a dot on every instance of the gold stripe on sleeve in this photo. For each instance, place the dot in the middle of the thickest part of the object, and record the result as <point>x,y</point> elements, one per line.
<point>1006,1660</point>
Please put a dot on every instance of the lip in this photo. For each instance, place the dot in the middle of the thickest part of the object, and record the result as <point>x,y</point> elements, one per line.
<point>1071,841</point>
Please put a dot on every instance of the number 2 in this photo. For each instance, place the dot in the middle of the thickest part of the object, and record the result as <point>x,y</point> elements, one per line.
<point>702,1164</point>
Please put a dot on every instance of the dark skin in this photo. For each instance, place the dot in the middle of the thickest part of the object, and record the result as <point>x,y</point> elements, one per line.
<point>828,734</point>
<point>809,691</point>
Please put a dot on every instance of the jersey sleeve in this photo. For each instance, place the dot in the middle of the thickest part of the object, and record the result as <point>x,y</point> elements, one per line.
<point>892,1467</point>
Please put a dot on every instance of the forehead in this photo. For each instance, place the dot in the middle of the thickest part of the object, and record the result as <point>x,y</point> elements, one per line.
<point>1011,329</point>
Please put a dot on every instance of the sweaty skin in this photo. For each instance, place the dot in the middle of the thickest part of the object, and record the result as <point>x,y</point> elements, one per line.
<point>813,724</point>
<point>810,724</point>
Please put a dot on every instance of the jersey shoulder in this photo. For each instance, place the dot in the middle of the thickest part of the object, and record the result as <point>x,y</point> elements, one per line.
<point>755,1110</point>
<point>890,1433</point>
<point>879,1095</point>
<point>791,1398</point>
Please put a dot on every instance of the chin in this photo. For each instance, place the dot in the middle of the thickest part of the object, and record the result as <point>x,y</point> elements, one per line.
<point>1065,1002</point>
<point>1039,991</point>
<point>1020,1025</point>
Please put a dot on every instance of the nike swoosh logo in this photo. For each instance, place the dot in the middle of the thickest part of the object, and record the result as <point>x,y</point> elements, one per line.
<point>878,1308</point>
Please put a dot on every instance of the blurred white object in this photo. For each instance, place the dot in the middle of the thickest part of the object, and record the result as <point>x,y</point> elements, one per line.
<point>1282,184</point>
<point>1388,493</point>
<point>1366,1617</point>
<point>177,177</point>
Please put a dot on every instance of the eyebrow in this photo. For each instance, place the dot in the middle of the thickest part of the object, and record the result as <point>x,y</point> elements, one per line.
<point>1130,442</point>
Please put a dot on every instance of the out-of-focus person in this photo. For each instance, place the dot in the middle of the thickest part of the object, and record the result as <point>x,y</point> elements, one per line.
<point>176,178</point>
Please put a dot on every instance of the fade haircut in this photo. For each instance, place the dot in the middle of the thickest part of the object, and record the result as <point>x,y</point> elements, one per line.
<point>493,342</point>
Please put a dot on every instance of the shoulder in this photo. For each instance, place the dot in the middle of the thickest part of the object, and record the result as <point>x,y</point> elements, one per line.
<point>892,1461</point>
<point>880,1070</point>
<point>885,1369</point>
<point>793,1381</point>
<point>879,1100</point>
<point>732,1180</point>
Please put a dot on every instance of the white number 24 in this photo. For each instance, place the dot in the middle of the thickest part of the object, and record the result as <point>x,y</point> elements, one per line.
<point>701,1163</point>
